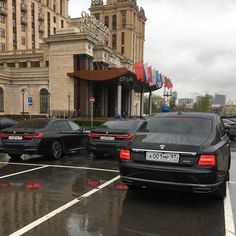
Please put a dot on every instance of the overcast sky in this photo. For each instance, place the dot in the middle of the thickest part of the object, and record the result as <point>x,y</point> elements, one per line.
<point>191,41</point>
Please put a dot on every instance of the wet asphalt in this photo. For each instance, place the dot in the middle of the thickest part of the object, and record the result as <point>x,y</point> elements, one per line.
<point>73,196</point>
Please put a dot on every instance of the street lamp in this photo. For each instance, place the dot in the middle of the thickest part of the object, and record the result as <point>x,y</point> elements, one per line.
<point>49,104</point>
<point>69,106</point>
<point>23,101</point>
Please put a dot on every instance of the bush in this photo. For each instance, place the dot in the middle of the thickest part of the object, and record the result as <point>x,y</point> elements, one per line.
<point>87,123</point>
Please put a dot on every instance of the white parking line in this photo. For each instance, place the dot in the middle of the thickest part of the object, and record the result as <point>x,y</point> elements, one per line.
<point>229,219</point>
<point>21,172</point>
<point>62,208</point>
<point>232,182</point>
<point>61,166</point>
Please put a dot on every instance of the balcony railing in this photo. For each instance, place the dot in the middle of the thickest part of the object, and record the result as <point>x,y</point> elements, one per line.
<point>24,20</point>
<point>41,29</point>
<point>41,17</point>
<point>3,10</point>
<point>23,7</point>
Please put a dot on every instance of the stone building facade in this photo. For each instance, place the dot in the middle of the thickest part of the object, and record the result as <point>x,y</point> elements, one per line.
<point>74,63</point>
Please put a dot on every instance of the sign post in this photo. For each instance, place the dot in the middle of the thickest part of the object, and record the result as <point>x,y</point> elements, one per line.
<point>91,100</point>
<point>30,104</point>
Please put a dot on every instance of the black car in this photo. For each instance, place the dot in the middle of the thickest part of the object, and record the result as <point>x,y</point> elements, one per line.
<point>230,128</point>
<point>110,136</point>
<point>6,122</point>
<point>43,136</point>
<point>189,151</point>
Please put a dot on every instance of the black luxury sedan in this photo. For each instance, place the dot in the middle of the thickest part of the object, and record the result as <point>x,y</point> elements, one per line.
<point>188,151</point>
<point>43,136</point>
<point>110,136</point>
<point>6,122</point>
<point>230,128</point>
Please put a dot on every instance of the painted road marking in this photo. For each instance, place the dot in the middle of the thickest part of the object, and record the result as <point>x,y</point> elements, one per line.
<point>22,172</point>
<point>229,219</point>
<point>232,182</point>
<point>60,166</point>
<point>62,208</point>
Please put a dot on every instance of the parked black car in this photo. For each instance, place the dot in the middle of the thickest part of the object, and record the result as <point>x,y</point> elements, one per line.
<point>230,128</point>
<point>6,122</point>
<point>110,136</point>
<point>179,150</point>
<point>43,136</point>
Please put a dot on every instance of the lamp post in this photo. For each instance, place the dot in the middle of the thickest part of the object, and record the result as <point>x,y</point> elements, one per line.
<point>49,104</point>
<point>69,106</point>
<point>23,101</point>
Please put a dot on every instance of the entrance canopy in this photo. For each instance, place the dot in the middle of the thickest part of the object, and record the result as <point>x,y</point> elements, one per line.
<point>116,74</point>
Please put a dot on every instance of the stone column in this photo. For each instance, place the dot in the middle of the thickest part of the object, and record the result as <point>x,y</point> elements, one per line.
<point>132,102</point>
<point>119,89</point>
<point>150,104</point>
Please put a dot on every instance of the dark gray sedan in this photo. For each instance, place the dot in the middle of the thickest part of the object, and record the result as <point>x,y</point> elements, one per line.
<point>43,136</point>
<point>189,151</point>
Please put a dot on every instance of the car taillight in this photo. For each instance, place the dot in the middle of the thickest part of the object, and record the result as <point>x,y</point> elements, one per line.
<point>124,136</point>
<point>39,136</point>
<point>207,160</point>
<point>92,135</point>
<point>125,154</point>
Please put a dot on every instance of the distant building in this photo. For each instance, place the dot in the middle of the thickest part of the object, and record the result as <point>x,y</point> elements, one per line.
<point>219,100</point>
<point>187,102</point>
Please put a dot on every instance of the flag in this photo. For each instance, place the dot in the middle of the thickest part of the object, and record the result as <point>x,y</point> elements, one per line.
<point>167,82</point>
<point>149,77</point>
<point>159,80</point>
<point>145,77</point>
<point>153,82</point>
<point>139,70</point>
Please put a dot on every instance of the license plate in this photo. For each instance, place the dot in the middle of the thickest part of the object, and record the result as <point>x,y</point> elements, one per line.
<point>162,157</point>
<point>15,137</point>
<point>107,138</point>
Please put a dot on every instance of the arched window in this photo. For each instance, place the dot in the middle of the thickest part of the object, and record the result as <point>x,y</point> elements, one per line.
<point>1,99</point>
<point>114,41</point>
<point>114,22</point>
<point>106,21</point>
<point>44,101</point>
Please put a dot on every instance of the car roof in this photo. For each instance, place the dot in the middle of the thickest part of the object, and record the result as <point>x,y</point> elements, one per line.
<point>187,114</point>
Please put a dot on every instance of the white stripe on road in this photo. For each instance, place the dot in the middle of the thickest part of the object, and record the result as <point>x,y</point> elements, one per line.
<point>62,208</point>
<point>22,172</point>
<point>232,182</point>
<point>229,219</point>
<point>60,166</point>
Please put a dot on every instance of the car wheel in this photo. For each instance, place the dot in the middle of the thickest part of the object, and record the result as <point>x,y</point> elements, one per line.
<point>220,193</point>
<point>98,154</point>
<point>56,150</point>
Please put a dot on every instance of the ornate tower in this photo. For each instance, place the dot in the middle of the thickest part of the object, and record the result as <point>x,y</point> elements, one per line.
<point>126,22</point>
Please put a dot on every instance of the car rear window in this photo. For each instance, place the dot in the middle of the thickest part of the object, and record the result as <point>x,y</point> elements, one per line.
<point>183,125</point>
<point>31,124</point>
<point>128,125</point>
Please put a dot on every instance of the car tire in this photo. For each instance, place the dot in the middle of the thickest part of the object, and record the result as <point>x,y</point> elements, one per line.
<point>98,154</point>
<point>56,150</point>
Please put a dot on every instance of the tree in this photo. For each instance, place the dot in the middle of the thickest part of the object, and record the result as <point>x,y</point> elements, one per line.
<point>203,104</point>
<point>157,102</point>
<point>172,101</point>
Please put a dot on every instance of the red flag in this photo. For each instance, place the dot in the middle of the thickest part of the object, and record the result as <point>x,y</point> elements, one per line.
<point>139,70</point>
<point>167,82</point>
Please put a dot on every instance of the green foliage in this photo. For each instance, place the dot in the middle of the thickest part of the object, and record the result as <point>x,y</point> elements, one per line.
<point>203,104</point>
<point>87,123</point>
<point>172,101</point>
<point>156,103</point>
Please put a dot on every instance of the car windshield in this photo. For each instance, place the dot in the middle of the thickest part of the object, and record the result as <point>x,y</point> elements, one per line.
<point>121,125</point>
<point>183,125</point>
<point>31,124</point>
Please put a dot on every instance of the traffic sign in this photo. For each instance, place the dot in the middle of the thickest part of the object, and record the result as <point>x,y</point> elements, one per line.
<point>30,101</point>
<point>91,100</point>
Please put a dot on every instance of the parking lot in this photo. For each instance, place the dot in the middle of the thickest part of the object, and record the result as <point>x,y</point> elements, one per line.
<point>81,195</point>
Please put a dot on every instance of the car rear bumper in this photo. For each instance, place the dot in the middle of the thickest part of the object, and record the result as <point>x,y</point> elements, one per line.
<point>104,148</point>
<point>197,180</point>
<point>20,150</point>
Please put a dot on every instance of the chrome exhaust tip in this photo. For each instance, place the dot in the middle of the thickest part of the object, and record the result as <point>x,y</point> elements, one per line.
<point>201,190</point>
